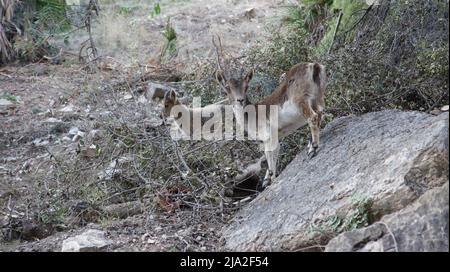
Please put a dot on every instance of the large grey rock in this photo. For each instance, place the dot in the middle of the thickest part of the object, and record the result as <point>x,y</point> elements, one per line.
<point>89,241</point>
<point>422,226</point>
<point>391,157</point>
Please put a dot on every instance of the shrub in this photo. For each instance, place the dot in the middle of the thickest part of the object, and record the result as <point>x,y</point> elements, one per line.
<point>392,55</point>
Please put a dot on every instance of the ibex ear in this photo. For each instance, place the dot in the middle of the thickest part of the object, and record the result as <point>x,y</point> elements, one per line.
<point>171,95</point>
<point>220,76</point>
<point>247,79</point>
<point>248,76</point>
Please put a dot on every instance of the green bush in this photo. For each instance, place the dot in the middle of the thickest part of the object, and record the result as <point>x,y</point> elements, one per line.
<point>51,16</point>
<point>38,20</point>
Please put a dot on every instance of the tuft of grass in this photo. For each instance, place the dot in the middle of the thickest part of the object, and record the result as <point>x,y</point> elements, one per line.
<point>169,32</point>
<point>155,11</point>
<point>170,38</point>
<point>9,97</point>
<point>360,215</point>
<point>124,10</point>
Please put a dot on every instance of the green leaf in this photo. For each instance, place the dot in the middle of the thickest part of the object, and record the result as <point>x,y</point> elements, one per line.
<point>157,9</point>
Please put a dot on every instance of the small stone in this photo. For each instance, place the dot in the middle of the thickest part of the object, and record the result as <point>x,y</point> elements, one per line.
<point>143,237</point>
<point>142,99</point>
<point>151,241</point>
<point>127,97</point>
<point>90,152</point>
<point>253,13</point>
<point>73,131</point>
<point>435,112</point>
<point>445,108</point>
<point>78,136</point>
<point>5,102</point>
<point>89,241</point>
<point>40,142</point>
<point>68,108</point>
<point>48,112</point>
<point>105,114</point>
<point>52,120</point>
<point>96,134</point>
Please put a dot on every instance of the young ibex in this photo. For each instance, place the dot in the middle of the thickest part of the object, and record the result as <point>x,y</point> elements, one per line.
<point>184,116</point>
<point>299,100</point>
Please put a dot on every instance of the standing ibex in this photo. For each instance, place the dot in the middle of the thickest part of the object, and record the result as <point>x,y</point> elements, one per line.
<point>299,100</point>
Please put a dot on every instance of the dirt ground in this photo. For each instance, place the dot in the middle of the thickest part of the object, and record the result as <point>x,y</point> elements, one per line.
<point>132,34</point>
<point>43,102</point>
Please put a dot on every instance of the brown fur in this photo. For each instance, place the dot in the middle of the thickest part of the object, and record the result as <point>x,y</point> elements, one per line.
<point>298,86</point>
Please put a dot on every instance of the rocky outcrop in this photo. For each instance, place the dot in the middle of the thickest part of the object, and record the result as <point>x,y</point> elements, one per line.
<point>388,158</point>
<point>422,226</point>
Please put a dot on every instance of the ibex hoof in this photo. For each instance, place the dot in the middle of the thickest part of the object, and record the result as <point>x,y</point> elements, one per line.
<point>312,151</point>
<point>266,183</point>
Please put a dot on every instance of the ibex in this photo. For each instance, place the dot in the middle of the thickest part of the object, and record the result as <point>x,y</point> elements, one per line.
<point>299,99</point>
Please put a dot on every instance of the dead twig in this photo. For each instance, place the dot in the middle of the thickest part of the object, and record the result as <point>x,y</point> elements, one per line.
<point>390,233</point>
<point>335,31</point>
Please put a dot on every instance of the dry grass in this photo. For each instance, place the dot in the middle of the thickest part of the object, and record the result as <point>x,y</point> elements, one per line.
<point>7,27</point>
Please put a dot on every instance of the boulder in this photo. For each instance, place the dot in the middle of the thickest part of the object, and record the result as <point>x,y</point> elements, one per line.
<point>390,158</point>
<point>422,226</point>
<point>89,241</point>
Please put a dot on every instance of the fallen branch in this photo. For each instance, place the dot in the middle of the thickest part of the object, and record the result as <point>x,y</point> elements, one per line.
<point>124,210</point>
